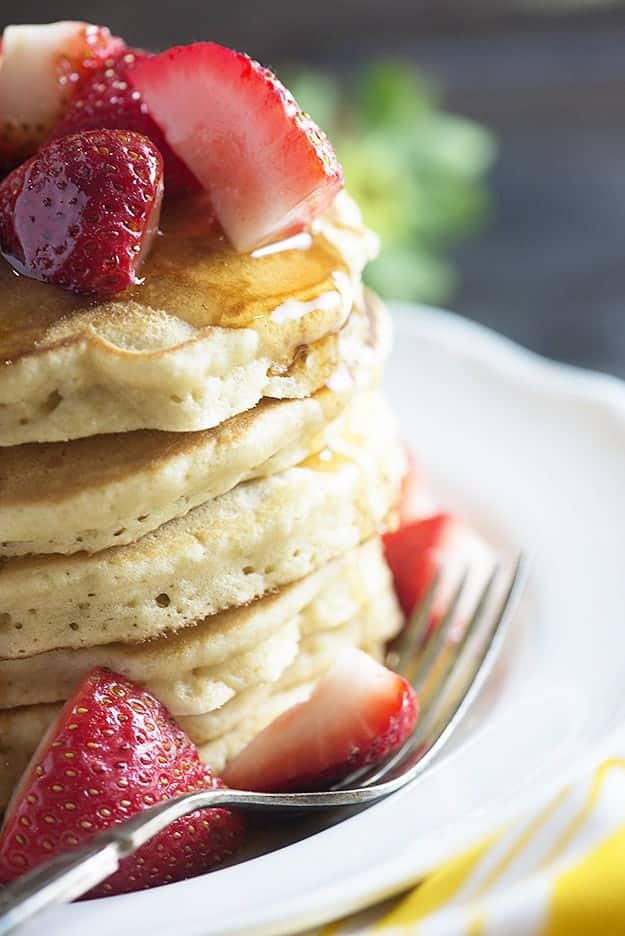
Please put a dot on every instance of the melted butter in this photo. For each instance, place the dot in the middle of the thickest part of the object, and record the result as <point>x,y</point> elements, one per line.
<point>327,460</point>
<point>192,272</point>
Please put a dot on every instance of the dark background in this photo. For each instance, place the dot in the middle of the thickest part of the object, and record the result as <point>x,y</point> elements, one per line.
<point>548,77</point>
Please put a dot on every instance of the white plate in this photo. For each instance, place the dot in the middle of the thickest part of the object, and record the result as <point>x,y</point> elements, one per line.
<point>535,454</point>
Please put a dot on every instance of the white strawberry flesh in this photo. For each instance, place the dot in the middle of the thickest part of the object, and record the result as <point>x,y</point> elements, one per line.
<point>40,68</point>
<point>268,169</point>
<point>357,714</point>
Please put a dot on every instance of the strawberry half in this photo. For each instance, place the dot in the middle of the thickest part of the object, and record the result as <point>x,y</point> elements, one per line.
<point>442,542</point>
<point>41,68</point>
<point>357,714</point>
<point>107,101</point>
<point>266,166</point>
<point>83,211</point>
<point>113,752</point>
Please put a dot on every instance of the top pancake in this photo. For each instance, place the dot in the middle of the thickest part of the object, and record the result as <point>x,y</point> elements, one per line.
<point>206,335</point>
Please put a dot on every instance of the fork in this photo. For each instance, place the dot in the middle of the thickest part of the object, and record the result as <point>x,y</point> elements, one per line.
<point>446,673</point>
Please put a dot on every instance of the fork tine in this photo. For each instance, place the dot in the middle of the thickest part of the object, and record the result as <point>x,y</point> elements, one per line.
<point>426,653</point>
<point>431,734</point>
<point>436,640</point>
<point>429,738</point>
<point>457,648</point>
<point>412,637</point>
<point>428,671</point>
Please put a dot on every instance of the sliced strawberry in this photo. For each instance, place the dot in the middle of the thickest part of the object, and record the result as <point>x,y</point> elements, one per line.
<point>416,499</point>
<point>358,713</point>
<point>266,166</point>
<point>442,542</point>
<point>41,68</point>
<point>83,211</point>
<point>113,752</point>
<point>107,101</point>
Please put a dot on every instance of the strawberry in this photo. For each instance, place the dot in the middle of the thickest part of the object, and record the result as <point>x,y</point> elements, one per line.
<point>107,101</point>
<point>266,166</point>
<point>442,542</point>
<point>83,211</point>
<point>416,499</point>
<point>41,68</point>
<point>357,714</point>
<point>113,752</point>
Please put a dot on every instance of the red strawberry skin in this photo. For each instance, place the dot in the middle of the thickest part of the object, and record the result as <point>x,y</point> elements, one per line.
<point>444,546</point>
<point>358,714</point>
<point>83,211</point>
<point>114,752</point>
<point>41,69</point>
<point>267,167</point>
<point>108,101</point>
<point>411,552</point>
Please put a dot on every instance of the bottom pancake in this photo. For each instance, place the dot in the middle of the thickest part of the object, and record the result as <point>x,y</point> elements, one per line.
<point>349,602</point>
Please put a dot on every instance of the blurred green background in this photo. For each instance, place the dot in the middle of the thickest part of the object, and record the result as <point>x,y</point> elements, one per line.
<point>417,172</point>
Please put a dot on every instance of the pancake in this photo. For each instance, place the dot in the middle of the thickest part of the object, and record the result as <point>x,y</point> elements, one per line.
<point>202,667</point>
<point>110,490</point>
<point>259,536</point>
<point>224,731</point>
<point>205,336</point>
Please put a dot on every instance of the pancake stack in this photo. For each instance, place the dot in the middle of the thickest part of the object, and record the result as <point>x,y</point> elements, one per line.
<point>193,481</point>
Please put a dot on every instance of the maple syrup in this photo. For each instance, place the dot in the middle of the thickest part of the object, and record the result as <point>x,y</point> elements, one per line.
<point>327,460</point>
<point>191,272</point>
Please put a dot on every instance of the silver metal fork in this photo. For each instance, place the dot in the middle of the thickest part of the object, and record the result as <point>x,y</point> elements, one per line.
<point>447,675</point>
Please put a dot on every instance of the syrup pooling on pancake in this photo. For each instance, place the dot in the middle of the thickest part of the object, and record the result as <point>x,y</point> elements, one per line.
<point>199,278</point>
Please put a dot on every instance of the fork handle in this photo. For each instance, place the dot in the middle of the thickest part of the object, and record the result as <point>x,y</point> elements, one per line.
<point>69,876</point>
<point>57,881</point>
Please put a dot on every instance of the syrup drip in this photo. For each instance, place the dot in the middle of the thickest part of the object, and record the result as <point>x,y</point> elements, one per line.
<point>327,460</point>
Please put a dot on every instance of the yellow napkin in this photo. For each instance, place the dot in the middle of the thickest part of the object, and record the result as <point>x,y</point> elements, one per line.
<point>557,872</point>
